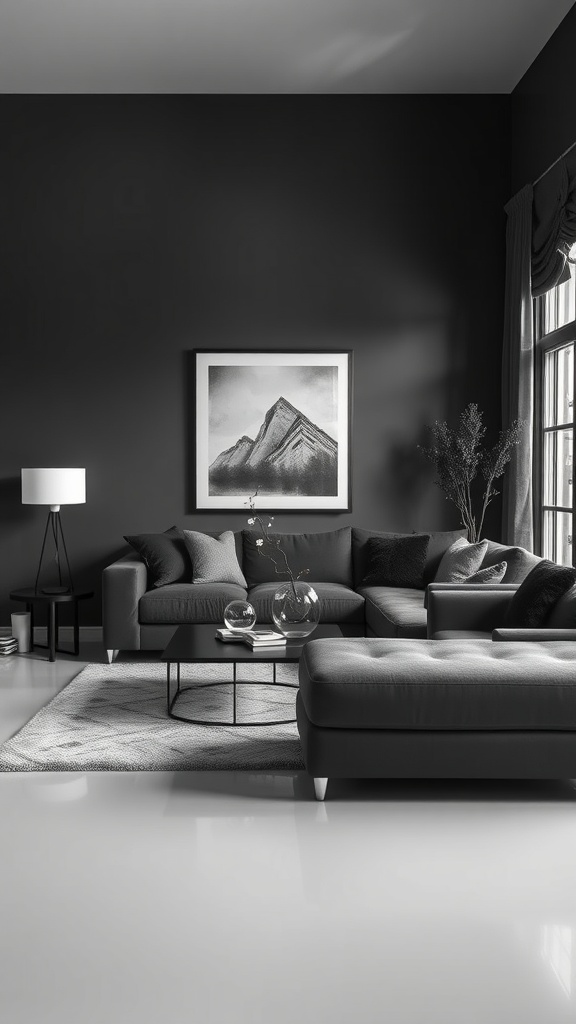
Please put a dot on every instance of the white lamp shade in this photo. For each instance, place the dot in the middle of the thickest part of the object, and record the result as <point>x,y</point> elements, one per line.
<point>53,486</point>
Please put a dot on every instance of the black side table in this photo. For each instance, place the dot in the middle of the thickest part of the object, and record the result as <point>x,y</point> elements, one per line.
<point>52,603</point>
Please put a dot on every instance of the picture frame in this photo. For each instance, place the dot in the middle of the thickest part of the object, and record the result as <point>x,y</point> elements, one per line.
<point>275,424</point>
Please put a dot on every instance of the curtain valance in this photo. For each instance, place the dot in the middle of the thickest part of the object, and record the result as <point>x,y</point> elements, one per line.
<point>554,225</point>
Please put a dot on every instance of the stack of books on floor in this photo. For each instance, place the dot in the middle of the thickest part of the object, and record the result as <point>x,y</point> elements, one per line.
<point>255,638</point>
<point>8,645</point>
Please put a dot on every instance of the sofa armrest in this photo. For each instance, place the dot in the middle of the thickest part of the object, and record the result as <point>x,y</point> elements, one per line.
<point>466,607</point>
<point>123,584</point>
<point>467,587</point>
<point>539,635</point>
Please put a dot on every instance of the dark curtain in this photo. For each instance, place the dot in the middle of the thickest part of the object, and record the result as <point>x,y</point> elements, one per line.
<point>518,371</point>
<point>540,234</point>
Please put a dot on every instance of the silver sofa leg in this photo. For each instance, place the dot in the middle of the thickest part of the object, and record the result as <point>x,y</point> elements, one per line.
<point>320,788</point>
<point>112,655</point>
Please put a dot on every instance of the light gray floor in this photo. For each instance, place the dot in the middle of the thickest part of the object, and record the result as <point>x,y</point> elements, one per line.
<point>231,898</point>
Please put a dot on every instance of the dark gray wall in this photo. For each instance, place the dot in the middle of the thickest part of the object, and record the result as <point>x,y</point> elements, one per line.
<point>135,229</point>
<point>543,107</point>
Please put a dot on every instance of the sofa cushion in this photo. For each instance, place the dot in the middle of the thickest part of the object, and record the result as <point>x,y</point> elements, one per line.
<point>214,559</point>
<point>328,556</point>
<point>468,685</point>
<point>395,611</point>
<point>164,555</point>
<point>518,560</point>
<point>461,561</point>
<point>397,561</point>
<point>337,602</point>
<point>439,542</point>
<point>188,602</point>
<point>538,593</point>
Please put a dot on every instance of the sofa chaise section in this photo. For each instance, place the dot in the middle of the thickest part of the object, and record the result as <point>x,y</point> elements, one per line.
<point>383,708</point>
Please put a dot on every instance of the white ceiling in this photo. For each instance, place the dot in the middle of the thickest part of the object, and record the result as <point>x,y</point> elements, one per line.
<point>272,46</point>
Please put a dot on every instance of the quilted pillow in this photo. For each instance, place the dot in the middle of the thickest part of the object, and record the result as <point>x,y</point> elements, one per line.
<point>214,559</point>
<point>461,561</point>
<point>397,561</point>
<point>164,555</point>
<point>537,595</point>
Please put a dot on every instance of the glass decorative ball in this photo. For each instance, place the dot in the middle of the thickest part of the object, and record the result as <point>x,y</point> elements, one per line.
<point>239,616</point>
<point>296,609</point>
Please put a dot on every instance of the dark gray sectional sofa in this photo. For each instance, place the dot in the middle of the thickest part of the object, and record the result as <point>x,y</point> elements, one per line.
<point>137,616</point>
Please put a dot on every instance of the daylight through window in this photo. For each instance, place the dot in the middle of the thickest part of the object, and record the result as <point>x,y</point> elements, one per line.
<point>555,317</point>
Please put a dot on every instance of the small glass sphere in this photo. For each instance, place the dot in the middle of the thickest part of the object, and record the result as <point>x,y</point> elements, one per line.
<point>239,616</point>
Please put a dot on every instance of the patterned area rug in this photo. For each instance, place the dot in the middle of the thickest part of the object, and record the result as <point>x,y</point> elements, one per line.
<point>113,718</point>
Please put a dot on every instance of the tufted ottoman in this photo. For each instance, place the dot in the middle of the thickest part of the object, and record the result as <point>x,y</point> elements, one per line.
<point>437,709</point>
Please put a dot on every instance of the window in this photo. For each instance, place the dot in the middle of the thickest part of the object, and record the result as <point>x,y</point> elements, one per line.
<point>555,328</point>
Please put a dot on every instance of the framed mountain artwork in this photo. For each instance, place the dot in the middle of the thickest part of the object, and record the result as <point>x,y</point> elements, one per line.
<point>275,424</point>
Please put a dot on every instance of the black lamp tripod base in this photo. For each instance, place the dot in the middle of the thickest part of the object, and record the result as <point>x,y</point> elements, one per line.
<point>54,526</point>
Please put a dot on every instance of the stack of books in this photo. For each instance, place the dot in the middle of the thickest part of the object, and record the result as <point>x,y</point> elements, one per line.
<point>8,645</point>
<point>255,638</point>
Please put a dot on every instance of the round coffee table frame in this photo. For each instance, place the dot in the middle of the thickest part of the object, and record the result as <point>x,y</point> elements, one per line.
<point>235,683</point>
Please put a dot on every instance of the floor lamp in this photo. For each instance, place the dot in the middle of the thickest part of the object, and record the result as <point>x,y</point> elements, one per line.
<point>54,487</point>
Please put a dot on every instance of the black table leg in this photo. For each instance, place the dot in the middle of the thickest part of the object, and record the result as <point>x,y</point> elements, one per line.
<point>30,608</point>
<point>52,630</point>
<point>76,629</point>
<point>234,697</point>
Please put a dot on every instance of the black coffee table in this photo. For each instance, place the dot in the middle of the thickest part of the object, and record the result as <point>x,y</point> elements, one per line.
<point>198,644</point>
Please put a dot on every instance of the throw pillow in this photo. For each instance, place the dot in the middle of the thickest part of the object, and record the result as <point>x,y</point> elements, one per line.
<point>537,595</point>
<point>461,561</point>
<point>397,561</point>
<point>214,559</point>
<point>440,541</point>
<point>491,574</point>
<point>519,560</point>
<point>164,555</point>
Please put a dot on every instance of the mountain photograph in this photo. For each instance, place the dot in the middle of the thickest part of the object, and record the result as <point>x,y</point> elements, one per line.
<point>290,455</point>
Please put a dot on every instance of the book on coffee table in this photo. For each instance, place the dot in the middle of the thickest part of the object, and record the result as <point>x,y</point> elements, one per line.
<point>252,637</point>
<point>263,638</point>
<point>228,636</point>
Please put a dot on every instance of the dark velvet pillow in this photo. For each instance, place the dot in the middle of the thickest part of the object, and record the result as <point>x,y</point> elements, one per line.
<point>440,541</point>
<point>397,561</point>
<point>164,555</point>
<point>537,595</point>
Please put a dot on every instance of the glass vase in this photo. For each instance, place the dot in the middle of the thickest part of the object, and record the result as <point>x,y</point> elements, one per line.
<point>296,609</point>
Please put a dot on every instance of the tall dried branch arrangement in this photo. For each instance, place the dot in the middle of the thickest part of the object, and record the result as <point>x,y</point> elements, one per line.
<point>459,455</point>
<point>270,548</point>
